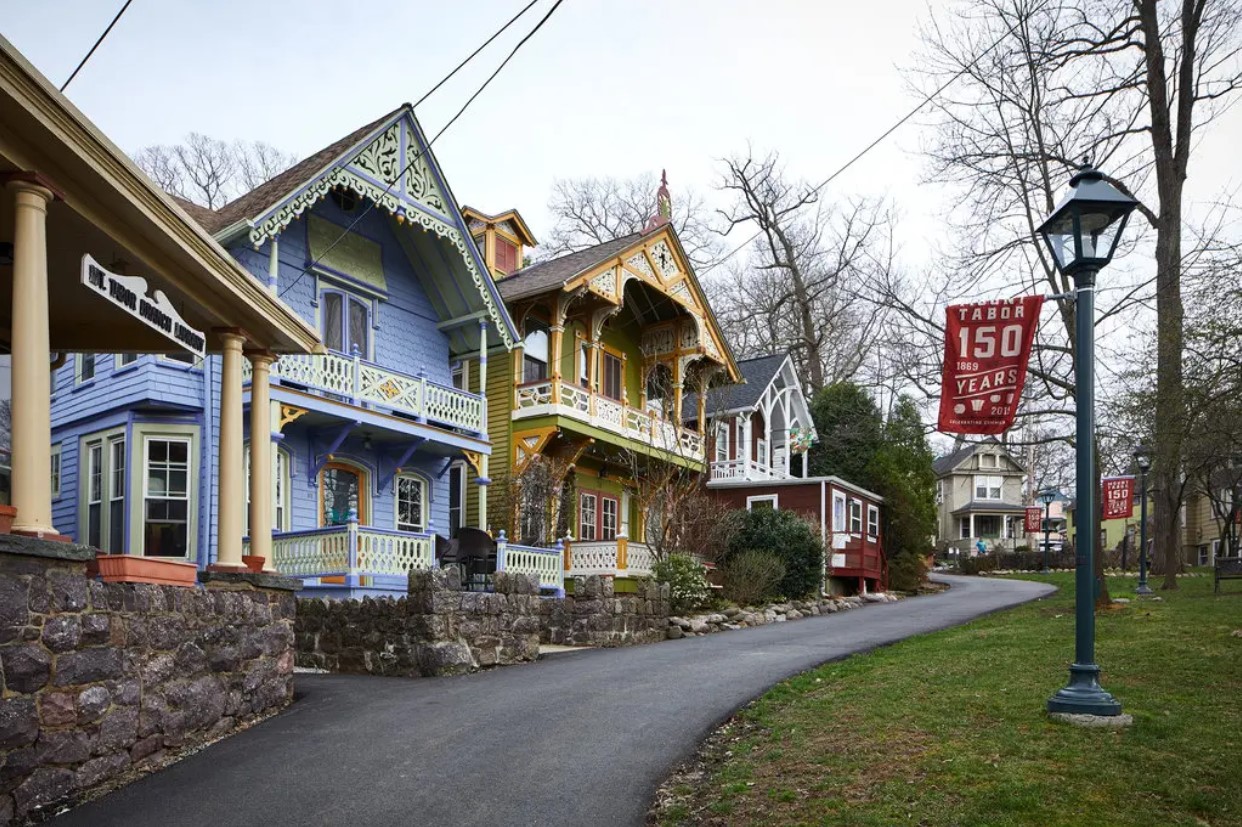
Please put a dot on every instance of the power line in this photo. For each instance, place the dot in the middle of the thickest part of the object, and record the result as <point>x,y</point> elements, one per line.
<point>96,46</point>
<point>926,100</point>
<point>410,164</point>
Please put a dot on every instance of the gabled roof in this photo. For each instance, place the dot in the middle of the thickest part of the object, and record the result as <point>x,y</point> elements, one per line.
<point>555,273</point>
<point>945,465</point>
<point>757,374</point>
<point>512,216</point>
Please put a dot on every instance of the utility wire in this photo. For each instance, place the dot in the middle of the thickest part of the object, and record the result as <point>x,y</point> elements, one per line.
<point>410,164</point>
<point>96,46</point>
<point>926,100</point>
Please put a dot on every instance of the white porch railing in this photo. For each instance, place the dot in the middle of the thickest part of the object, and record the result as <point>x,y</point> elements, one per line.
<point>547,564</point>
<point>746,469</point>
<point>365,383</point>
<point>576,402</point>
<point>350,551</point>
<point>619,558</point>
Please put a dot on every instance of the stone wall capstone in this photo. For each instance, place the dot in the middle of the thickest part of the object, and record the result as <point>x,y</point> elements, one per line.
<point>101,678</point>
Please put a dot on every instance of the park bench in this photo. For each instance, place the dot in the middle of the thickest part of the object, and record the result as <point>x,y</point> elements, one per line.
<point>1227,568</point>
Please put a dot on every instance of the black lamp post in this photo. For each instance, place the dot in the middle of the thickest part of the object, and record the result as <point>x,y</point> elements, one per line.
<point>1082,235</point>
<point>1142,458</point>
<point>1047,496</point>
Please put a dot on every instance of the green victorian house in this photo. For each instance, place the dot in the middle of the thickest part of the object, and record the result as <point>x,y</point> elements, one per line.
<point>585,415</point>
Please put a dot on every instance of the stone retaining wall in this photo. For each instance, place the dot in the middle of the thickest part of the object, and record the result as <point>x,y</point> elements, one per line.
<point>437,629</point>
<point>742,618</point>
<point>101,678</point>
<point>594,615</point>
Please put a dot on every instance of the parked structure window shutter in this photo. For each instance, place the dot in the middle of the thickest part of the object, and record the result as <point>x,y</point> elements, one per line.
<point>612,377</point>
<point>506,255</point>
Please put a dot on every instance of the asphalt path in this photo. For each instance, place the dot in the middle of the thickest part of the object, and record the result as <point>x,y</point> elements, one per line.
<point>581,738</point>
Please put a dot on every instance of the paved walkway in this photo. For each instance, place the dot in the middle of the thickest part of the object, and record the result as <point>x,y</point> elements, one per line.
<point>580,739</point>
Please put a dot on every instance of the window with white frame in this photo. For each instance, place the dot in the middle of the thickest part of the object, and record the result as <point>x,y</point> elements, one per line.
<point>86,367</point>
<point>166,497</point>
<point>457,497</point>
<point>411,503</point>
<point>346,322</point>
<point>873,521</point>
<point>124,360</point>
<point>761,450</point>
<point>587,516</point>
<point>722,441</point>
<point>838,511</point>
<point>55,471</point>
<point>280,489</point>
<point>856,520</point>
<point>459,375</point>
<point>608,518</point>
<point>963,529</point>
<point>768,501</point>
<point>103,492</point>
<point>1203,555</point>
<point>987,460</point>
<point>535,352</point>
<point>988,487</point>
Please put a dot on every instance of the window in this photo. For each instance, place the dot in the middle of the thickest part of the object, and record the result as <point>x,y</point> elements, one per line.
<point>761,451</point>
<point>722,441</point>
<point>873,522</point>
<point>341,493</point>
<point>480,241</point>
<point>411,503</point>
<point>584,364</point>
<point>457,498</point>
<point>988,488</point>
<point>280,504</point>
<point>838,511</point>
<point>506,255</point>
<point>166,503</point>
<point>1203,555</point>
<point>587,516</point>
<point>987,460</point>
<point>55,471</point>
<point>963,530</point>
<point>124,360</point>
<point>608,518</point>
<point>459,375</point>
<point>180,356</point>
<point>346,323</point>
<point>86,367</point>
<point>103,520</point>
<point>768,501</point>
<point>535,353</point>
<point>612,377</point>
<point>855,517</point>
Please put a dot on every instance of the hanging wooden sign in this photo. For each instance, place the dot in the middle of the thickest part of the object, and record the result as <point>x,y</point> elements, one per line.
<point>130,294</point>
<point>1118,499</point>
<point>987,346</point>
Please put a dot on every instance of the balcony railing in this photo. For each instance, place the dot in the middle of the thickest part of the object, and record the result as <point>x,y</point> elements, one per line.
<point>364,383</point>
<point>619,558</point>
<point>547,564</point>
<point>746,469</point>
<point>351,551</point>
<point>576,402</point>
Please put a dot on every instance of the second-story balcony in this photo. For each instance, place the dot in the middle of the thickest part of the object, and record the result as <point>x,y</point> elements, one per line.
<point>576,402</point>
<point>747,469</point>
<point>356,381</point>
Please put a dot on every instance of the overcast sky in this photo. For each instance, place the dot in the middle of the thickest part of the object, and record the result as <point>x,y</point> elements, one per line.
<point>608,87</point>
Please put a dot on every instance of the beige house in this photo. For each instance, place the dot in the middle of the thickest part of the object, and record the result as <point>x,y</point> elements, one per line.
<point>979,496</point>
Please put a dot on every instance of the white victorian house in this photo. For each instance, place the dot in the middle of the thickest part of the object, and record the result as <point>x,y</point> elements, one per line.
<point>979,496</point>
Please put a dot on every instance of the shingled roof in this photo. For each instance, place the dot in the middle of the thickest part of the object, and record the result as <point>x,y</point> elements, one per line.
<point>263,197</point>
<point>756,373</point>
<point>555,272</point>
<point>945,464</point>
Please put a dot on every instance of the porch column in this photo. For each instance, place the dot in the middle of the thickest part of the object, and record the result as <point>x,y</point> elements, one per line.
<point>805,454</point>
<point>483,481</point>
<point>744,452</point>
<point>788,431</point>
<point>261,458</point>
<point>229,514</point>
<point>678,381</point>
<point>31,412</point>
<point>972,526</point>
<point>556,332</point>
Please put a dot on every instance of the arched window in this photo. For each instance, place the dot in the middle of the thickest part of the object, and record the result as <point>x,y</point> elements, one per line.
<point>535,352</point>
<point>342,489</point>
<point>411,503</point>
<point>280,488</point>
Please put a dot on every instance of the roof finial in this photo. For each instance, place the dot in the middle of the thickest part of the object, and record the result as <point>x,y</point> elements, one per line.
<point>664,205</point>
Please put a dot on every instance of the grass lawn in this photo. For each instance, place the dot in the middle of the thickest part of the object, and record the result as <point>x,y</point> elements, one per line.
<point>949,728</point>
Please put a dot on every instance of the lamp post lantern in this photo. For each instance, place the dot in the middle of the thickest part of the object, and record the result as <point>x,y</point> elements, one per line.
<point>1142,458</point>
<point>1082,235</point>
<point>1047,496</point>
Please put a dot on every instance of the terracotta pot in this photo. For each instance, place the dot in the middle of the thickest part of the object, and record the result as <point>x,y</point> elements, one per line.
<point>130,568</point>
<point>254,563</point>
<point>8,513</point>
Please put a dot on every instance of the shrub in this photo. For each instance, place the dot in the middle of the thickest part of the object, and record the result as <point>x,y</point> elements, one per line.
<point>751,576</point>
<point>791,538</point>
<point>977,565</point>
<point>687,582</point>
<point>906,572</point>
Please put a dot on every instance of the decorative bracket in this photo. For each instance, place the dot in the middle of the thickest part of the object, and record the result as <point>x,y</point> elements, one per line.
<point>401,461</point>
<point>323,459</point>
<point>288,414</point>
<point>476,461</point>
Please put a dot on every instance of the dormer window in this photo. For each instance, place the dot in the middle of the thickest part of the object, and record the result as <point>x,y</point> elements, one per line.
<point>987,460</point>
<point>506,255</point>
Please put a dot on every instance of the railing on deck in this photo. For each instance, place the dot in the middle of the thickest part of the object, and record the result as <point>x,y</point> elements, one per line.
<point>619,557</point>
<point>351,551</point>
<point>547,564</point>
<point>535,399</point>
<point>745,469</point>
<point>365,383</point>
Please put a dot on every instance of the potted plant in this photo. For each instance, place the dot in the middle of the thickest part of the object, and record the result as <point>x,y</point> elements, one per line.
<point>8,513</point>
<point>254,562</point>
<point>132,568</point>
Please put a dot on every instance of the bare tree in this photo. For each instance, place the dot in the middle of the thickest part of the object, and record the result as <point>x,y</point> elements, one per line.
<point>590,211</point>
<point>210,172</point>
<point>798,290</point>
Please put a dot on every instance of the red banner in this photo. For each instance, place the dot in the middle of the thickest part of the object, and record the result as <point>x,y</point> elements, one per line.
<point>1034,519</point>
<point>987,346</point>
<point>1118,499</point>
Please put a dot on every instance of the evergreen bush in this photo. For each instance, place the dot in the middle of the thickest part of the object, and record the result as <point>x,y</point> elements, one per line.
<point>905,572</point>
<point>791,538</point>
